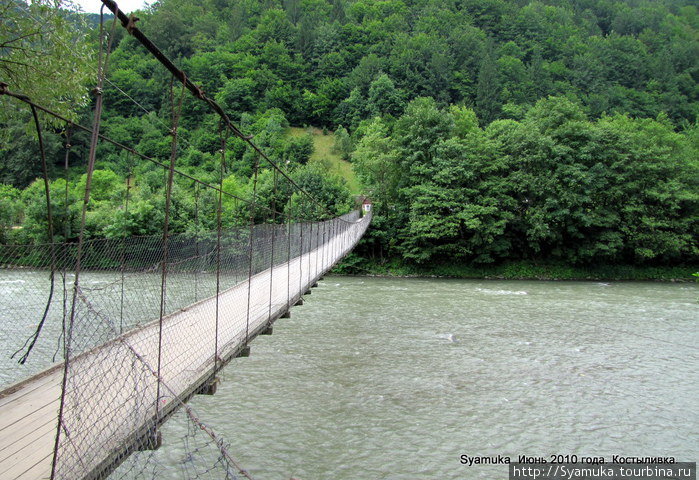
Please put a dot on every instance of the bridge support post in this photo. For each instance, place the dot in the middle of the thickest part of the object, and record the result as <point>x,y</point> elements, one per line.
<point>245,352</point>
<point>308,292</point>
<point>209,388</point>
<point>286,314</point>
<point>299,302</point>
<point>267,331</point>
<point>153,440</point>
<point>313,286</point>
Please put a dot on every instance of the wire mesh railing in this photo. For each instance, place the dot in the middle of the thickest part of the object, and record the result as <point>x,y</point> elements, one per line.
<point>114,393</point>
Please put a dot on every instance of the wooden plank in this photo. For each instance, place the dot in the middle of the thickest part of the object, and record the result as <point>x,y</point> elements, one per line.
<point>28,406</point>
<point>35,463</point>
<point>25,444</point>
<point>41,470</point>
<point>28,428</point>
<point>20,391</point>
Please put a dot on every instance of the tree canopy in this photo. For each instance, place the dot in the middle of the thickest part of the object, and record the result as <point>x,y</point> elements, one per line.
<point>552,186</point>
<point>44,55</point>
<point>484,130</point>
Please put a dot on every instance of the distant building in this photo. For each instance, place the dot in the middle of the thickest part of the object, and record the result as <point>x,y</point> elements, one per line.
<point>362,202</point>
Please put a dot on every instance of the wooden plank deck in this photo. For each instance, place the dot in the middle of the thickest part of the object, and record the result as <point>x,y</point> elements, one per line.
<point>111,389</point>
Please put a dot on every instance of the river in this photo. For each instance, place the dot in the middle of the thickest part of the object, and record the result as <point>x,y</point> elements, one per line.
<point>398,378</point>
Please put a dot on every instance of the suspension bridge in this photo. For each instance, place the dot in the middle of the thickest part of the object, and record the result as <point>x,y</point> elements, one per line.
<point>139,325</point>
<point>114,395</point>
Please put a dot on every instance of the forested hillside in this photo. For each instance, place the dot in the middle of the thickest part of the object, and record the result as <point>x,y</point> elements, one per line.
<point>485,131</point>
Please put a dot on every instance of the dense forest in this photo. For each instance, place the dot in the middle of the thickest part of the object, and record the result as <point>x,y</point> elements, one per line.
<point>484,131</point>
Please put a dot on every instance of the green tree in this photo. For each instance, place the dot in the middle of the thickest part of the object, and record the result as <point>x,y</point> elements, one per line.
<point>488,90</point>
<point>329,191</point>
<point>65,213</point>
<point>417,133</point>
<point>655,190</point>
<point>44,56</point>
<point>297,151</point>
<point>342,143</point>
<point>384,98</point>
<point>19,151</point>
<point>376,162</point>
<point>351,110</point>
<point>10,211</point>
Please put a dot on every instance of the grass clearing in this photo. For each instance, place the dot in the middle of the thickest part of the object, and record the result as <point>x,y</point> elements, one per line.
<point>323,145</point>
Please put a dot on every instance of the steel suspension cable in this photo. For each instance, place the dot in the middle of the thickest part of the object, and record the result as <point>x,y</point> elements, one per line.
<point>224,140</point>
<point>274,227</point>
<point>288,260</point>
<point>123,245</point>
<point>301,249</point>
<point>310,249</point>
<point>66,232</point>
<point>197,252</point>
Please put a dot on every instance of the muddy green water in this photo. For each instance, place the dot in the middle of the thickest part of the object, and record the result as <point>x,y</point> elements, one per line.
<point>397,378</point>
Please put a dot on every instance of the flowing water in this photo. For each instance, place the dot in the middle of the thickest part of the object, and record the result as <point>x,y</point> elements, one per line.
<point>398,378</point>
<point>24,295</point>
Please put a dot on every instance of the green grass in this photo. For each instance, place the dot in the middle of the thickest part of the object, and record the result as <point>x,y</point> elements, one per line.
<point>323,152</point>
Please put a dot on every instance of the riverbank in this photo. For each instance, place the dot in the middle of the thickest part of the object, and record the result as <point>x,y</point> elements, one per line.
<point>354,265</point>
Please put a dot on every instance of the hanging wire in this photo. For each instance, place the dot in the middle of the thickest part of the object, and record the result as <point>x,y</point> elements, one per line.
<point>66,234</point>
<point>223,135</point>
<point>288,259</point>
<point>271,260</point>
<point>31,341</point>
<point>127,195</point>
<point>310,249</point>
<point>301,249</point>
<point>176,113</point>
<point>322,259</point>
<point>197,228</point>
<point>250,251</point>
